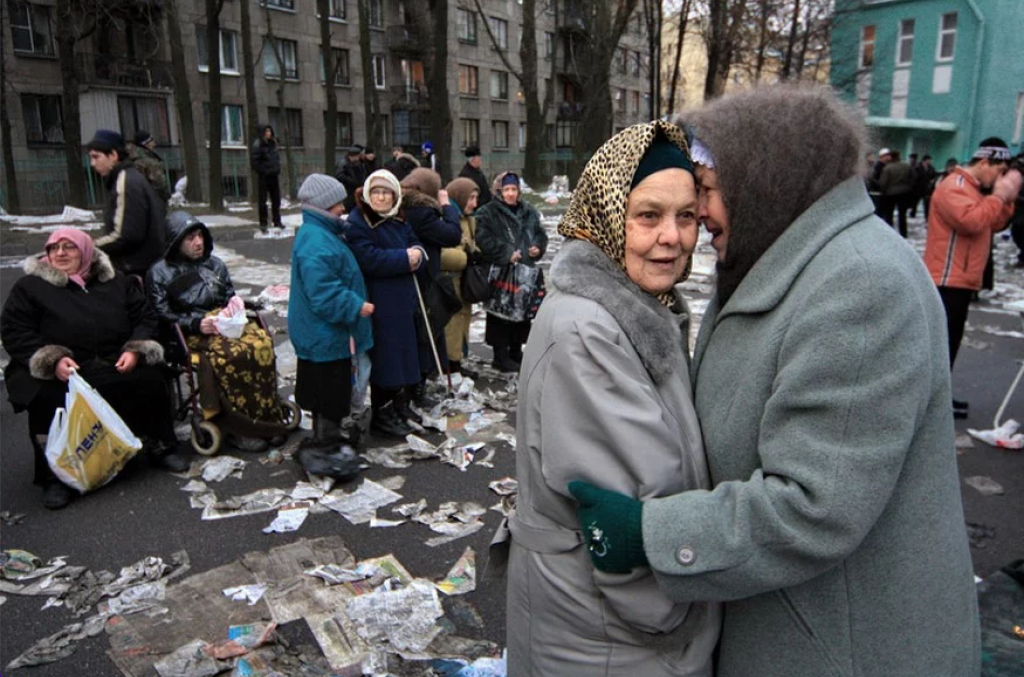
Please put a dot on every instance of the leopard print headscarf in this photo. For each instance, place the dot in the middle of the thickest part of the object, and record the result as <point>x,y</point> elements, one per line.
<point>597,211</point>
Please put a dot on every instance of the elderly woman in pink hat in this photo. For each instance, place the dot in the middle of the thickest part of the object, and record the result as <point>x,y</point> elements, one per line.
<point>72,312</point>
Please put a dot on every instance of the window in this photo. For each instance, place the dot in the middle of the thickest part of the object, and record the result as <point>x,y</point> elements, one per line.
<point>378,71</point>
<point>231,133</point>
<point>499,85</point>
<point>867,47</point>
<point>565,133</point>
<point>500,29</point>
<point>337,9</point>
<point>228,50</point>
<point>343,137</point>
<point>42,118</point>
<point>280,55</point>
<point>470,132</point>
<point>32,29</point>
<point>947,37</point>
<point>619,65</point>
<point>339,63</point>
<point>549,46</point>
<point>466,24</point>
<point>376,13</point>
<point>288,126</point>
<point>150,114</point>
<point>279,4</point>
<point>634,63</point>
<point>468,85</point>
<point>500,128</point>
<point>905,43</point>
<point>635,100</point>
<point>522,135</point>
<point>620,100</point>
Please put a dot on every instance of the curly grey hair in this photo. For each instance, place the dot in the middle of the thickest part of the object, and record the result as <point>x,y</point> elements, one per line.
<point>777,150</point>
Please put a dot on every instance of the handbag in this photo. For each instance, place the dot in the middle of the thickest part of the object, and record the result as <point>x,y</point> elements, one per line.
<point>514,289</point>
<point>475,285</point>
<point>441,304</point>
<point>88,442</point>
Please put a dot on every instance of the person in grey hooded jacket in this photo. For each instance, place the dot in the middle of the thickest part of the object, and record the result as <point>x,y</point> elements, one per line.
<point>604,396</point>
<point>834,532</point>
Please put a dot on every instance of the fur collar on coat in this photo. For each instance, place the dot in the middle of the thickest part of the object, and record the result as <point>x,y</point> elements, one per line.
<point>101,270</point>
<point>655,332</point>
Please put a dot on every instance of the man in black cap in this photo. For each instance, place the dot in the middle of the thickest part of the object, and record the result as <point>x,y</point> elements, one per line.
<point>352,174</point>
<point>133,218</point>
<point>472,171</point>
<point>144,158</point>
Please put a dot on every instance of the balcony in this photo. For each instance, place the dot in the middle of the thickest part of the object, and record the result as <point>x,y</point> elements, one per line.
<point>403,39</point>
<point>568,110</point>
<point>410,97</point>
<point>100,69</point>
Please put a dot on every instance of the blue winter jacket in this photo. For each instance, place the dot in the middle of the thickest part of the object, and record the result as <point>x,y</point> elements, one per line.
<point>327,293</point>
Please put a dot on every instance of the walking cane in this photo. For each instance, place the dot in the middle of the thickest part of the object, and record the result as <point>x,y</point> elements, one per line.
<point>430,331</point>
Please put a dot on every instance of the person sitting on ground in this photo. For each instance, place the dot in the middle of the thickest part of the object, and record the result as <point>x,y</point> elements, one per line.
<point>187,288</point>
<point>133,216</point>
<point>435,223</point>
<point>73,312</point>
<point>389,255</point>
<point>463,193</point>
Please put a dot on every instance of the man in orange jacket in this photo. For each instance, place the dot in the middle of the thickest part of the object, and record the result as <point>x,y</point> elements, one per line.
<point>968,206</point>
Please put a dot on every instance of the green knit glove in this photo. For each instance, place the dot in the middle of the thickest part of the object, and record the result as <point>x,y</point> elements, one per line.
<point>612,527</point>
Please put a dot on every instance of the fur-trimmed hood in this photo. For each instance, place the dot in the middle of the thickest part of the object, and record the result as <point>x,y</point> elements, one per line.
<point>101,270</point>
<point>655,331</point>
<point>413,199</point>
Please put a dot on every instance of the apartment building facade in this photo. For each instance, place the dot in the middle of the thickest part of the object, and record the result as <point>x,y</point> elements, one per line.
<point>124,71</point>
<point>933,76</point>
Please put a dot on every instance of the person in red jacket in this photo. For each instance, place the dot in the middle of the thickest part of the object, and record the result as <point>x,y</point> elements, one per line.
<point>967,207</point>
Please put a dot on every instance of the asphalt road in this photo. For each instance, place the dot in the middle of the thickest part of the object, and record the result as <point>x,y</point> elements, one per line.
<point>144,512</point>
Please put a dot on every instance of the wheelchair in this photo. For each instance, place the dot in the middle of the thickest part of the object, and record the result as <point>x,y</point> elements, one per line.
<point>207,434</point>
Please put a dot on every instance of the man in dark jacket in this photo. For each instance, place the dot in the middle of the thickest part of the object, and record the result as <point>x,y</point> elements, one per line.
<point>472,171</point>
<point>133,218</point>
<point>352,174</point>
<point>267,165</point>
<point>145,159</point>
<point>924,181</point>
<point>897,185</point>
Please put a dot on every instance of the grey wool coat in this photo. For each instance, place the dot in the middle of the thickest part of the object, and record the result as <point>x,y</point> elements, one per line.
<point>604,396</point>
<point>835,530</point>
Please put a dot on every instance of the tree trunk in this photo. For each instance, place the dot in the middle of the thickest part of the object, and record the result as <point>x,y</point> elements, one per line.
<point>762,38</point>
<point>653,20</point>
<point>183,106</point>
<point>533,170</point>
<point>684,19</point>
<point>10,175</point>
<point>323,8</point>
<point>252,113</point>
<point>213,82</point>
<point>371,98</point>
<point>71,121</point>
<point>430,20</point>
<point>286,130</point>
<point>787,64</point>
<point>725,23</point>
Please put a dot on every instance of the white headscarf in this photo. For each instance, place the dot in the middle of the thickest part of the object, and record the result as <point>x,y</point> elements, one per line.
<point>382,178</point>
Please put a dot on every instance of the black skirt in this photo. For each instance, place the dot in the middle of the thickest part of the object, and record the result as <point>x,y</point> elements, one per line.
<point>325,388</point>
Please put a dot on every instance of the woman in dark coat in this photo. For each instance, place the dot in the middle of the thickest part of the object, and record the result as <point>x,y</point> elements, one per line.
<point>388,254</point>
<point>509,231</point>
<point>187,287</point>
<point>435,223</point>
<point>72,312</point>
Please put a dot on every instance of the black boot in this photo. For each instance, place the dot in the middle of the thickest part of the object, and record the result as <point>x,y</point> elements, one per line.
<point>386,421</point>
<point>402,409</point>
<point>57,495</point>
<point>165,455</point>
<point>418,395</point>
<point>515,353</point>
<point>502,361</point>
<point>331,460</point>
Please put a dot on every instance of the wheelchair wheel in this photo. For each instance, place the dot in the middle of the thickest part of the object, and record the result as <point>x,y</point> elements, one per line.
<point>291,414</point>
<point>207,439</point>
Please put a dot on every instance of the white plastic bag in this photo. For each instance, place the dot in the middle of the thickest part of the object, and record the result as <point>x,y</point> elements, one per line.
<point>88,442</point>
<point>231,320</point>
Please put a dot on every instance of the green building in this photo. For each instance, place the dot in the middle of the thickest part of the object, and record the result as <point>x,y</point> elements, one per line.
<point>932,76</point>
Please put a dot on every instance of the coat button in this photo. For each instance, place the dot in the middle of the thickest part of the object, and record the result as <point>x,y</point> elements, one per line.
<point>686,556</point>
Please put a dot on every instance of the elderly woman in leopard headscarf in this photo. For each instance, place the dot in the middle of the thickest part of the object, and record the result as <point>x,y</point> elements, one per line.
<point>72,312</point>
<point>604,396</point>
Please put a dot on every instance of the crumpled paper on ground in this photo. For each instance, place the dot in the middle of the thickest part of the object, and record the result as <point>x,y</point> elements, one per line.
<point>360,506</point>
<point>461,578</point>
<point>1003,437</point>
<point>221,467</point>
<point>405,619</point>
<point>61,644</point>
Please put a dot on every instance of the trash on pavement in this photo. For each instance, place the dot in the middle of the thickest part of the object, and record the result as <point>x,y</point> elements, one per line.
<point>219,468</point>
<point>405,618</point>
<point>380,522</point>
<point>341,463</point>
<point>462,576</point>
<point>360,506</point>
<point>453,520</point>
<point>247,593</point>
<point>986,485</point>
<point>289,518</point>
<point>21,565</point>
<point>262,500</point>
<point>189,660</point>
<point>333,574</point>
<point>411,509</point>
<point>1003,437</point>
<point>11,519</point>
<point>506,486</point>
<point>59,645</point>
<point>241,640</point>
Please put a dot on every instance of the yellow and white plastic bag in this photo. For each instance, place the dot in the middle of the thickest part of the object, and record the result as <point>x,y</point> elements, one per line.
<point>88,442</point>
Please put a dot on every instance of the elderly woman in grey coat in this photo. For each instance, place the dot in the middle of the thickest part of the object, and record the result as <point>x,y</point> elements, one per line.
<point>604,396</point>
<point>835,532</point>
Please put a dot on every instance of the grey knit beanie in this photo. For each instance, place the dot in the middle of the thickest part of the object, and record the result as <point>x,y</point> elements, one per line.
<point>321,191</point>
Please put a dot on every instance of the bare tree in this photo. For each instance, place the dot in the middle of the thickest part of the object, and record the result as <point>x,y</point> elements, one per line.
<point>430,22</point>
<point>213,8</point>
<point>323,8</point>
<point>286,133</point>
<point>654,21</point>
<point>10,175</point>
<point>527,75</point>
<point>183,104</point>
<point>252,113</point>
<point>371,99</point>
<point>725,26</point>
<point>684,20</point>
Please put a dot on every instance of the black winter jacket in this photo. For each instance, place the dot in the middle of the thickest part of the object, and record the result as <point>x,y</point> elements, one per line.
<point>500,230</point>
<point>133,221</point>
<point>263,154</point>
<point>480,179</point>
<point>47,317</point>
<point>184,290</point>
<point>434,226</point>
